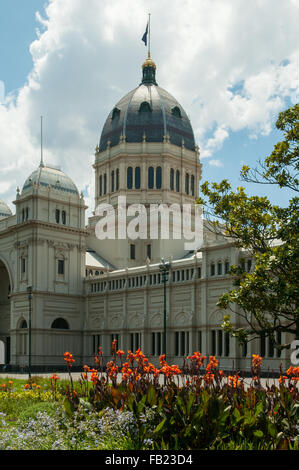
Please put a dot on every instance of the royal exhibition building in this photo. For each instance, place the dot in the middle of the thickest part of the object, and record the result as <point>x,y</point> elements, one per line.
<point>73,291</point>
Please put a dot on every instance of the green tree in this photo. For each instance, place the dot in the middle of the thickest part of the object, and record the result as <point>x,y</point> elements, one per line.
<point>267,297</point>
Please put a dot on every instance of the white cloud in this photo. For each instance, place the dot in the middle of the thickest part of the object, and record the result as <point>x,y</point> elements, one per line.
<point>215,162</point>
<point>2,92</point>
<point>232,65</point>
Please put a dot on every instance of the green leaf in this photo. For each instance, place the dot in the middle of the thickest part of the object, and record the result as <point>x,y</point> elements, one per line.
<point>69,407</point>
<point>160,426</point>
<point>151,396</point>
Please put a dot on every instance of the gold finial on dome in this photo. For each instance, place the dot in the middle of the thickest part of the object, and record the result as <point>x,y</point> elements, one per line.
<point>149,62</point>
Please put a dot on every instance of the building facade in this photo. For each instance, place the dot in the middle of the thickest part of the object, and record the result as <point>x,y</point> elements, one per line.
<point>86,290</point>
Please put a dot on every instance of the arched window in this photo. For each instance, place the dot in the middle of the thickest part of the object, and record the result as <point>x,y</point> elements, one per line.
<point>115,113</point>
<point>101,185</point>
<point>172,179</point>
<point>145,107</point>
<point>150,177</point>
<point>63,217</point>
<point>176,112</point>
<point>23,324</point>
<point>219,268</point>
<point>130,177</point>
<point>192,185</point>
<point>177,181</point>
<point>105,183</point>
<point>187,183</point>
<point>117,179</point>
<point>60,324</point>
<point>112,181</point>
<point>158,177</point>
<point>57,216</point>
<point>137,177</point>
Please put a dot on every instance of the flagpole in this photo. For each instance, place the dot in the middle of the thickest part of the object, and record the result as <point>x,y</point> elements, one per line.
<point>41,142</point>
<point>149,34</point>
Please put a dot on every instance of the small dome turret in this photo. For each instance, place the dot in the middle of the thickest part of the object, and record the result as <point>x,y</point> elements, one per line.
<point>52,177</point>
<point>4,210</point>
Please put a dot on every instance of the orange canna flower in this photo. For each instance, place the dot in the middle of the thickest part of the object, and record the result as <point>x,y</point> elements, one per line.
<point>256,361</point>
<point>68,357</point>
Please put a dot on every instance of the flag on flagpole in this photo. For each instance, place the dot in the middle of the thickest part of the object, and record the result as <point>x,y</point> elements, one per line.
<point>144,37</point>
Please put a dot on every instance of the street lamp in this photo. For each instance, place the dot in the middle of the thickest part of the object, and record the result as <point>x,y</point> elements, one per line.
<point>29,290</point>
<point>164,268</point>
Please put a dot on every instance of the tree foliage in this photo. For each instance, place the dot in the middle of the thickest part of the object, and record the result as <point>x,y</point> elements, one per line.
<point>267,297</point>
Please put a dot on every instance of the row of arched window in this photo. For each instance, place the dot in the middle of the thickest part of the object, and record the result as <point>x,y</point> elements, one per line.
<point>154,180</point>
<point>114,182</point>
<point>175,183</point>
<point>154,177</point>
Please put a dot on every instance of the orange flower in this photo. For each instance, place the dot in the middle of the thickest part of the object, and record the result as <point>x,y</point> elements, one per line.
<point>54,377</point>
<point>68,357</point>
<point>282,379</point>
<point>26,386</point>
<point>234,381</point>
<point>198,358</point>
<point>94,376</point>
<point>256,361</point>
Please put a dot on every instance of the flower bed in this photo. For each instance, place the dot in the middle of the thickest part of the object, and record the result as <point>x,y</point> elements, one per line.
<point>125,405</point>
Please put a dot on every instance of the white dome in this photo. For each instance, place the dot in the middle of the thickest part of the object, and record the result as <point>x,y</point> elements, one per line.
<point>53,177</point>
<point>4,210</point>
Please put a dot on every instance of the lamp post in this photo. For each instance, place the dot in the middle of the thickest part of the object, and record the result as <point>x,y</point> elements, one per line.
<point>164,268</point>
<point>29,290</point>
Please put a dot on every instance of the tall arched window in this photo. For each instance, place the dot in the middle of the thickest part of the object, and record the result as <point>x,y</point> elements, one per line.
<point>63,217</point>
<point>130,177</point>
<point>100,185</point>
<point>192,185</point>
<point>177,181</point>
<point>187,183</point>
<point>105,183</point>
<point>137,177</point>
<point>150,177</point>
<point>60,324</point>
<point>117,179</point>
<point>112,181</point>
<point>171,179</point>
<point>158,177</point>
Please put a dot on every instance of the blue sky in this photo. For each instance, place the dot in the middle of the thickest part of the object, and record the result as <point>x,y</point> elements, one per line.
<point>17,31</point>
<point>231,66</point>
